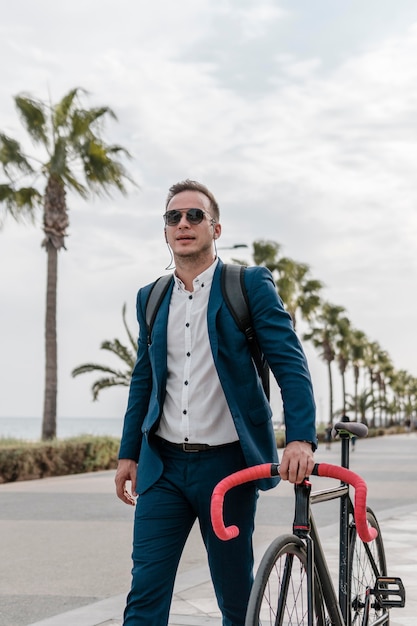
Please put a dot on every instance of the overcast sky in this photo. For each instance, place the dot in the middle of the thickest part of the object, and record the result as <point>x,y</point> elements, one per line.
<point>299,115</point>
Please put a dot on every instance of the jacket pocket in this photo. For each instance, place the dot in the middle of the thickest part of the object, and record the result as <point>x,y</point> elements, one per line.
<point>260,415</point>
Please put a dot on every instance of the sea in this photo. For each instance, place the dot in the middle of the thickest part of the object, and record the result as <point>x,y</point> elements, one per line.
<point>30,428</point>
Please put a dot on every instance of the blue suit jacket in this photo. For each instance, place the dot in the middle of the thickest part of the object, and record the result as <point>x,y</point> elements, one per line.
<point>248,404</point>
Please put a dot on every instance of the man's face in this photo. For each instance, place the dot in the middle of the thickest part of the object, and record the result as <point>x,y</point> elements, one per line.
<point>185,238</point>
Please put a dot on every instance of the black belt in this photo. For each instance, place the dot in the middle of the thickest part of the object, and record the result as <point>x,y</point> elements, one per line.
<point>193,447</point>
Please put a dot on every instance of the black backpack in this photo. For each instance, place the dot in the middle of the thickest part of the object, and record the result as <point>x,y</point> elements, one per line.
<point>235,296</point>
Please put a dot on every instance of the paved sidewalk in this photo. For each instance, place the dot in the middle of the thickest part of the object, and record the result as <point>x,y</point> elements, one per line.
<point>194,605</point>
<point>65,544</point>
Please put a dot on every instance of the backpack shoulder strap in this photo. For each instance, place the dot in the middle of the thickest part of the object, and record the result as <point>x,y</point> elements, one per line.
<point>155,297</point>
<point>234,293</point>
<point>236,298</point>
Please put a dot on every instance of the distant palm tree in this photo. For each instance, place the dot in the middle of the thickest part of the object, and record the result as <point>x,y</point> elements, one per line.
<point>298,290</point>
<point>342,344</point>
<point>324,334</point>
<point>384,374</point>
<point>362,403</point>
<point>371,356</point>
<point>400,384</point>
<point>116,377</point>
<point>266,253</point>
<point>70,144</point>
<point>358,346</point>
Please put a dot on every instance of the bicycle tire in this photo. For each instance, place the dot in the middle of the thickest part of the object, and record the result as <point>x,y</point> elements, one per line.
<point>366,562</point>
<point>279,591</point>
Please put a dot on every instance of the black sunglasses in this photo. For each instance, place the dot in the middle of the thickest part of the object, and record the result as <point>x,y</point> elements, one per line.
<point>194,216</point>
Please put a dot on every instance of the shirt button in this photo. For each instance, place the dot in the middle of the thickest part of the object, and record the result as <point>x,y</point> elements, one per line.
<point>186,382</point>
<point>184,412</point>
<point>187,324</point>
<point>190,297</point>
<point>188,353</point>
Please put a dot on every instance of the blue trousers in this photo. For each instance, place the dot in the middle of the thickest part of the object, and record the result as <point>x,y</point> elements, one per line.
<point>164,517</point>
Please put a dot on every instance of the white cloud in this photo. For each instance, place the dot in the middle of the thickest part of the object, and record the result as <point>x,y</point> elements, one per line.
<point>257,17</point>
<point>321,159</point>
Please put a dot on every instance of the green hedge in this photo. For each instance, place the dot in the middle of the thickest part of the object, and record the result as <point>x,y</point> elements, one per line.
<point>26,460</point>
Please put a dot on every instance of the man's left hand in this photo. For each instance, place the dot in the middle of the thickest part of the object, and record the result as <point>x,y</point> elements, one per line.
<point>297,461</point>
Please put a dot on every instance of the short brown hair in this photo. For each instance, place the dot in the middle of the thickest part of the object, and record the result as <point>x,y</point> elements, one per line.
<point>193,185</point>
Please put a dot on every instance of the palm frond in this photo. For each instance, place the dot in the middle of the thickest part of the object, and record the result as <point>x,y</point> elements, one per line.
<point>107,383</point>
<point>62,110</point>
<point>93,367</point>
<point>75,184</point>
<point>101,171</point>
<point>20,203</point>
<point>133,342</point>
<point>117,348</point>
<point>34,118</point>
<point>27,198</point>
<point>116,377</point>
<point>11,156</point>
<point>115,149</point>
<point>84,121</point>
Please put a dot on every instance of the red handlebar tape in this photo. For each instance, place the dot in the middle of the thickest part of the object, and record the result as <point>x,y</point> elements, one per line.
<point>266,470</point>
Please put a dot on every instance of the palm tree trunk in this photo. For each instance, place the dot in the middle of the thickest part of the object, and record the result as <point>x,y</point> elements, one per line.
<point>55,222</point>
<point>356,381</point>
<point>329,370</point>
<point>51,364</point>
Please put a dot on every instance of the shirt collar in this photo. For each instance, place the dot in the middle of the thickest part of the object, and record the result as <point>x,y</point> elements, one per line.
<point>202,280</point>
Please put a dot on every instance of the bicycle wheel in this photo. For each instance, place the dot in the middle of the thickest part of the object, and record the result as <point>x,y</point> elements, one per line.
<point>366,563</point>
<point>279,592</point>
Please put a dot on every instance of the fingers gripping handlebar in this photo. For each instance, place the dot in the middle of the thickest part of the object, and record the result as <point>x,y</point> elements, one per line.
<point>268,470</point>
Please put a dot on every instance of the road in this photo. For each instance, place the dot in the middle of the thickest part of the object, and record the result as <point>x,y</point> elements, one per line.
<point>66,542</point>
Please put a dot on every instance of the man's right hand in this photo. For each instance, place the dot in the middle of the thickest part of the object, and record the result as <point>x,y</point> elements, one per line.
<point>126,472</point>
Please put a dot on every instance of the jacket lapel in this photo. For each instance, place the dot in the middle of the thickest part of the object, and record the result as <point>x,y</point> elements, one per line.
<point>215,302</point>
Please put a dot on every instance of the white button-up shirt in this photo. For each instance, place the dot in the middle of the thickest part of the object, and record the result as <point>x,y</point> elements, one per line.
<point>195,408</point>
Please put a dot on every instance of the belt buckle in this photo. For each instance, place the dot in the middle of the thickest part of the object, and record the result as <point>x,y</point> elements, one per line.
<point>188,447</point>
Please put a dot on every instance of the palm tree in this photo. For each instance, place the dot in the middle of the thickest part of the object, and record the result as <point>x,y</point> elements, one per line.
<point>362,403</point>
<point>384,375</point>
<point>70,142</point>
<point>116,377</point>
<point>298,291</point>
<point>343,352</point>
<point>266,253</point>
<point>371,356</point>
<point>400,383</point>
<point>358,347</point>
<point>323,335</point>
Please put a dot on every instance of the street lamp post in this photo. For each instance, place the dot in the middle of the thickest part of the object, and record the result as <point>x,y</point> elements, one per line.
<point>236,245</point>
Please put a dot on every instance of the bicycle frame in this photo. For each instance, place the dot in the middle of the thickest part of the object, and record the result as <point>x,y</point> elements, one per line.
<point>338,611</point>
<point>305,528</point>
<point>365,592</point>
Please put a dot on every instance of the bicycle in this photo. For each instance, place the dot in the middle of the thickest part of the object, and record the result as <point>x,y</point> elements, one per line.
<point>293,585</point>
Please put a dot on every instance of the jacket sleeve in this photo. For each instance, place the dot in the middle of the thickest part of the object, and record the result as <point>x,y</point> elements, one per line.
<point>139,391</point>
<point>284,353</point>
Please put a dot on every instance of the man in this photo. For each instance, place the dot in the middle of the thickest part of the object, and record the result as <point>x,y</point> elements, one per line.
<point>197,412</point>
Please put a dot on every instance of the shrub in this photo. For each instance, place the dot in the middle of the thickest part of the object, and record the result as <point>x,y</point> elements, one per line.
<point>29,460</point>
